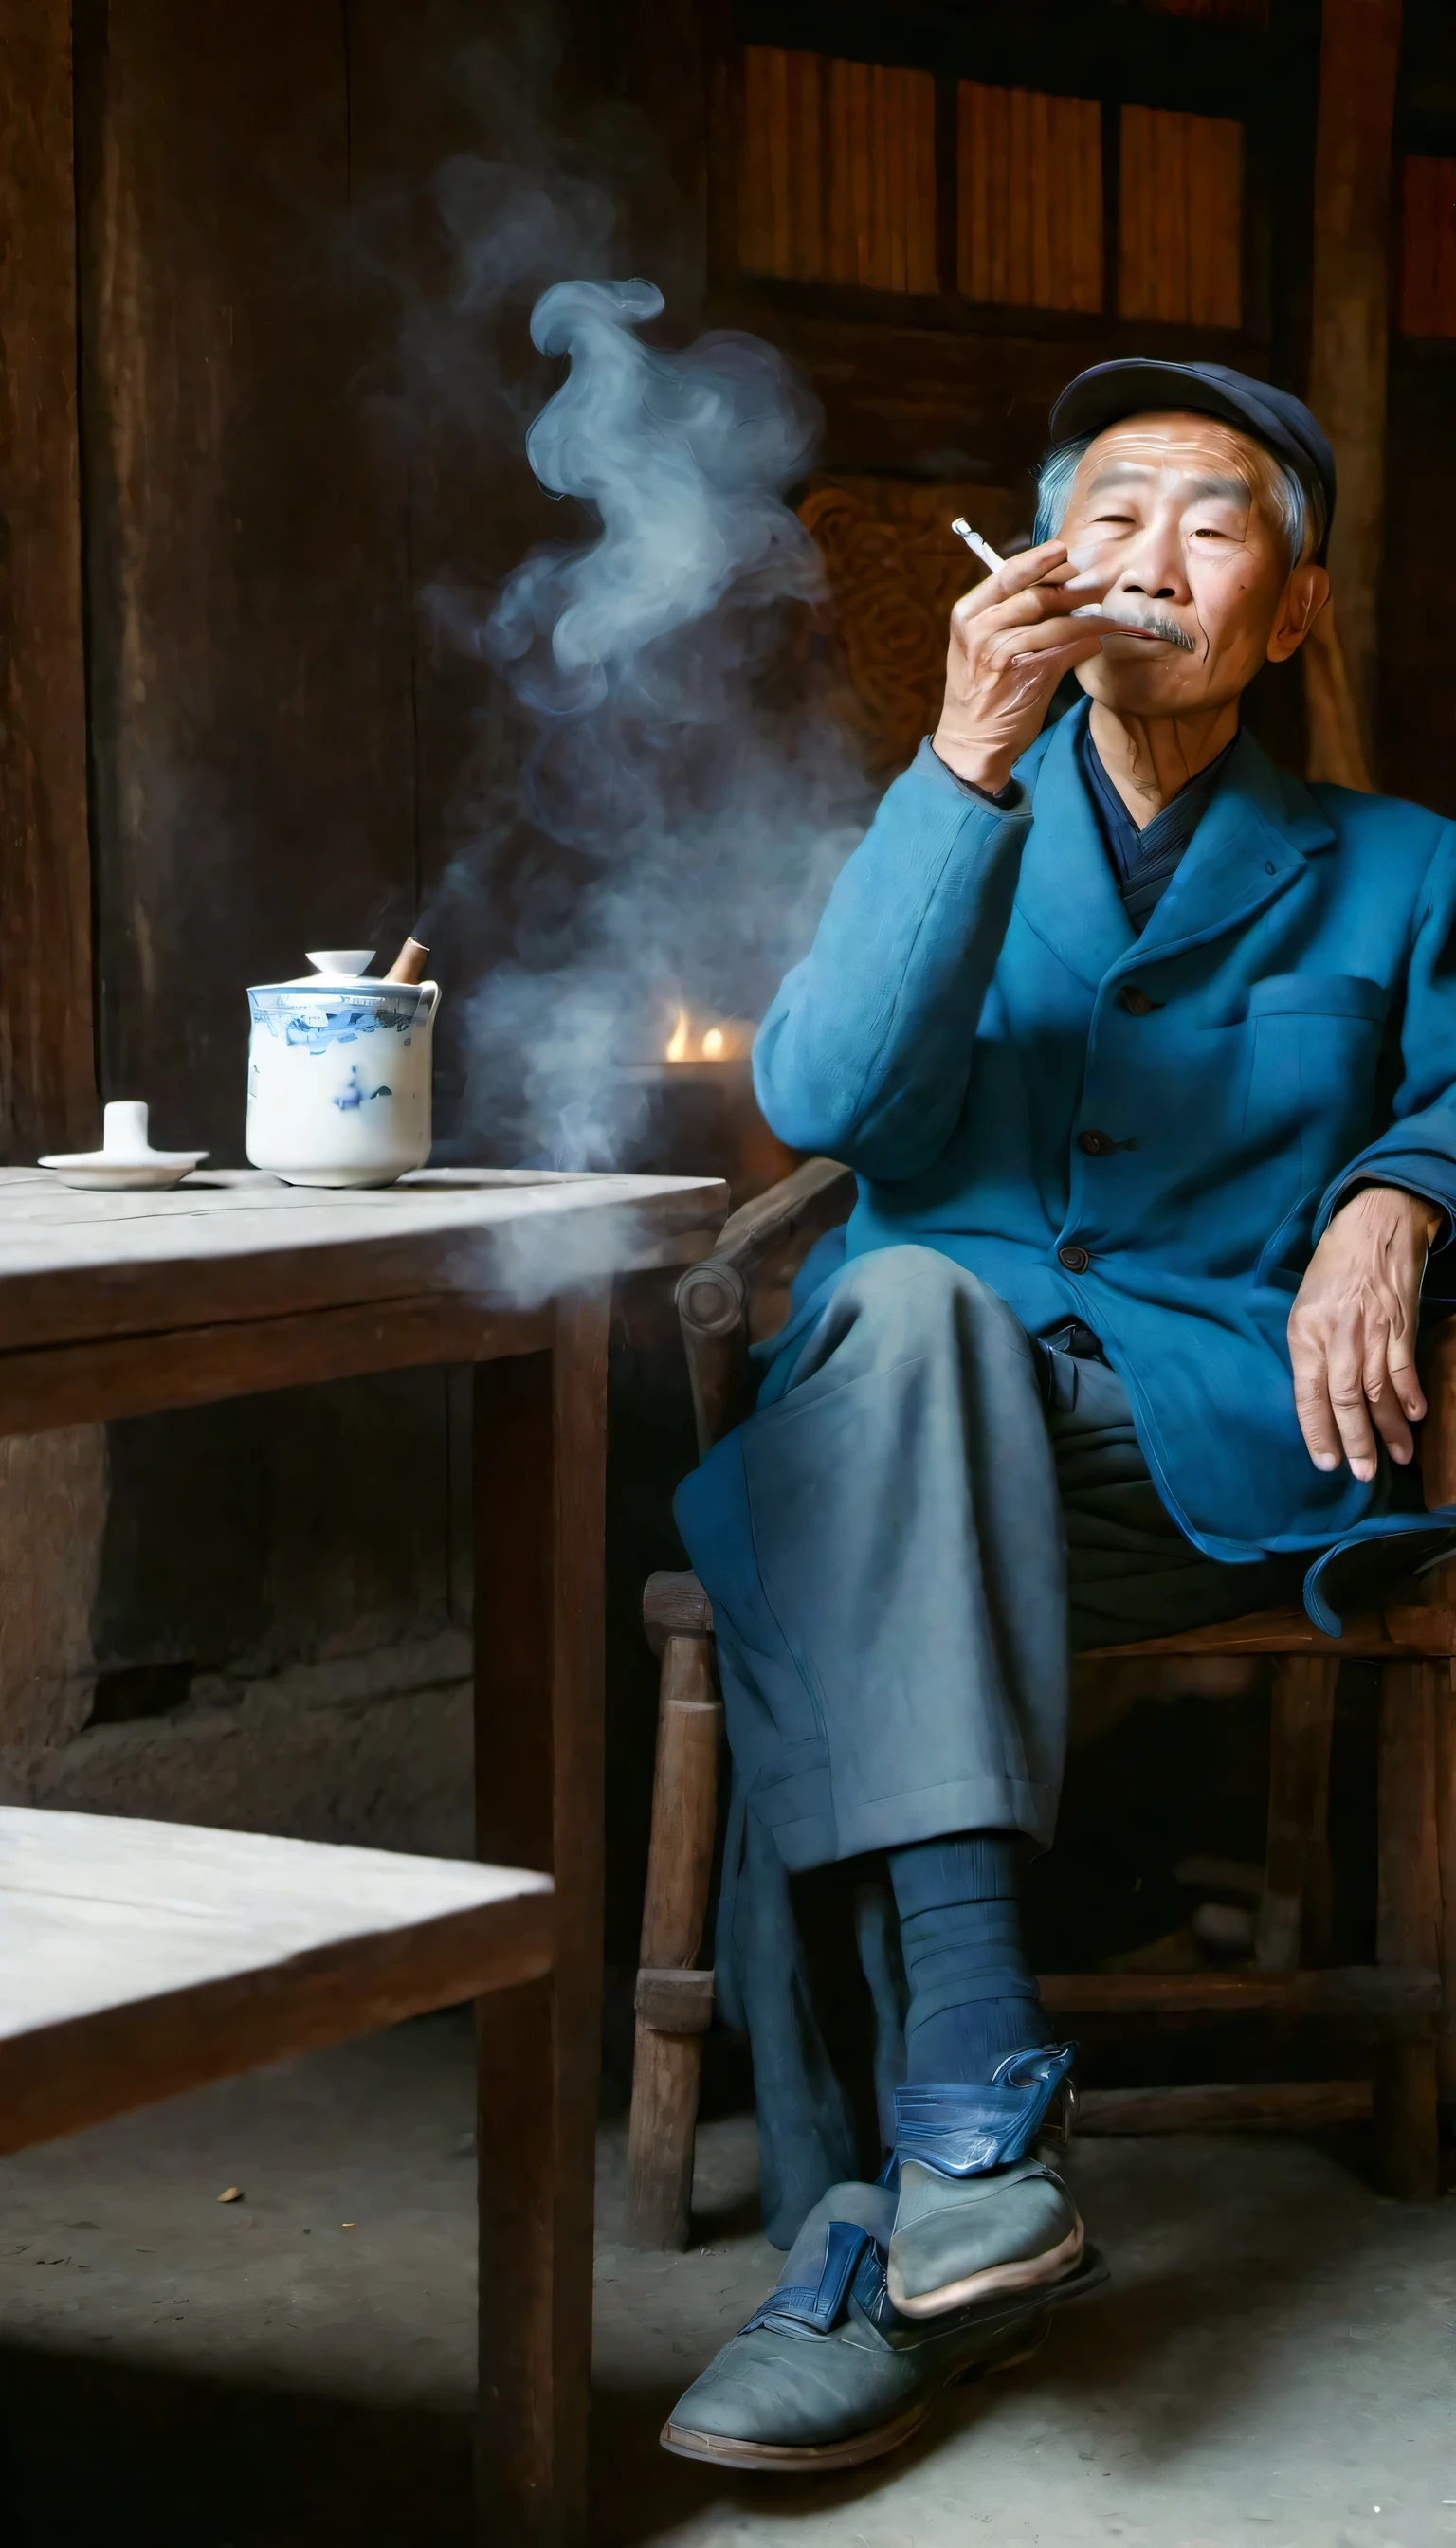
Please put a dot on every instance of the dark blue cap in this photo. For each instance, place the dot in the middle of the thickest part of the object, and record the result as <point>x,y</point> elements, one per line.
<point>1281,422</point>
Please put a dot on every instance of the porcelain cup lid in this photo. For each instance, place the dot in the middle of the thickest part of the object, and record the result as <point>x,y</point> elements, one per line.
<point>335,969</point>
<point>124,1144</point>
<point>341,968</point>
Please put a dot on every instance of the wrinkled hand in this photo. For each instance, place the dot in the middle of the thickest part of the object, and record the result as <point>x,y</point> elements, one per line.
<point>1352,1332</point>
<point>1011,641</point>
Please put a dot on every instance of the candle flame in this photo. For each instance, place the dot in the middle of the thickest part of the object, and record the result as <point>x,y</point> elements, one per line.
<point>693,1041</point>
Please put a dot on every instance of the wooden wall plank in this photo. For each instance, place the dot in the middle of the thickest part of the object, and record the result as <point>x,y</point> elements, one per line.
<point>925,223</point>
<point>1215,221</point>
<point>755,183</point>
<point>879,270</point>
<point>1359,55</point>
<point>897,394</point>
<point>781,226</point>
<point>806,145</point>
<point>247,544</point>
<point>1181,232</point>
<point>47,1089</point>
<point>859,169</point>
<point>1031,197</point>
<point>837,171</point>
<point>1444,258</point>
<point>1429,248</point>
<point>972,226</point>
<point>839,259</point>
<point>1086,216</point>
<point>1134,257</point>
<point>1040,201</point>
<point>1019,282</point>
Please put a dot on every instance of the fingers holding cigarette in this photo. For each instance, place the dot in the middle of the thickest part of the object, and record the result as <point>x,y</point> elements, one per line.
<point>1048,567</point>
<point>1032,578</point>
<point>1048,564</point>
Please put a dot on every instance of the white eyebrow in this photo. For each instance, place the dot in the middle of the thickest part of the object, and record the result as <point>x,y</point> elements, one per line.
<point>1237,490</point>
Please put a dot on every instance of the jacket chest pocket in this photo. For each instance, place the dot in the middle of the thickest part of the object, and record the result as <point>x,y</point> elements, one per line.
<point>1314,1045</point>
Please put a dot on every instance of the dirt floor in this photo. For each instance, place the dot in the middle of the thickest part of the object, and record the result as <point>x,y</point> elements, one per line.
<point>1273,2362</point>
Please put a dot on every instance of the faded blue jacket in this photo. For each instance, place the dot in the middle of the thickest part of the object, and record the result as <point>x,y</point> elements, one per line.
<point>976,999</point>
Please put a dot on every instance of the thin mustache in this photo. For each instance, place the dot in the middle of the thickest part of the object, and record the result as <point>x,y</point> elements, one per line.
<point>1160,626</point>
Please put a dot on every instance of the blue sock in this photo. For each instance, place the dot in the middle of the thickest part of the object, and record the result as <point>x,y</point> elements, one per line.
<point>973,1994</point>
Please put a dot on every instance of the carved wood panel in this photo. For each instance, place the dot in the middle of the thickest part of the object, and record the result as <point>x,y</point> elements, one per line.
<point>895,566</point>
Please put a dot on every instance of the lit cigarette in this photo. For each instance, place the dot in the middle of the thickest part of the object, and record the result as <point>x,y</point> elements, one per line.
<point>1087,610</point>
<point>974,541</point>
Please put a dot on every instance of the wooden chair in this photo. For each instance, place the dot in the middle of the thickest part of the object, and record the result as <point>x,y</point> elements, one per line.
<point>1408,1997</point>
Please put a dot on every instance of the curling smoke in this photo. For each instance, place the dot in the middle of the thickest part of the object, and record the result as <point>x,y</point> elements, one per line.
<point>671,744</point>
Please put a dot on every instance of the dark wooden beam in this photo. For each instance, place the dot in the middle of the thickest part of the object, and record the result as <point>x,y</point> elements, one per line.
<point>48,1088</point>
<point>1378,1992</point>
<point>1290,2105</point>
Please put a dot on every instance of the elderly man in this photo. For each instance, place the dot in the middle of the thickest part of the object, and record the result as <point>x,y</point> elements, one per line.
<point>1144,1056</point>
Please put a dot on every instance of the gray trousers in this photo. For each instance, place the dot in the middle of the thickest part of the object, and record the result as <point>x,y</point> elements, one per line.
<point>927,1513</point>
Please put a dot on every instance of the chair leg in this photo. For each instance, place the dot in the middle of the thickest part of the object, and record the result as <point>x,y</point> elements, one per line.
<point>1294,1920</point>
<point>674,2002</point>
<point>1446,1706</point>
<point>1407,2152</point>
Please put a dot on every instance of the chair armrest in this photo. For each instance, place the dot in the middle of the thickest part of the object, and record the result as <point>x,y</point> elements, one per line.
<point>713,1296</point>
<point>820,1193</point>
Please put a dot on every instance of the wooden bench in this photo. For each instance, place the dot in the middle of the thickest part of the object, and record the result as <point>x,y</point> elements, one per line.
<point>138,1959</point>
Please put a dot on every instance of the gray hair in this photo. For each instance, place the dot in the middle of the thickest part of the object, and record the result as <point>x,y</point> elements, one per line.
<point>1301,508</point>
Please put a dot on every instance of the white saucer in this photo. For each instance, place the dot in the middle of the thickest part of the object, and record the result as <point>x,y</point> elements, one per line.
<point>125,1161</point>
<point>108,1168</point>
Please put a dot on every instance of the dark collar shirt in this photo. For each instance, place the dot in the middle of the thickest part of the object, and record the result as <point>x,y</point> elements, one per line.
<point>1144,862</point>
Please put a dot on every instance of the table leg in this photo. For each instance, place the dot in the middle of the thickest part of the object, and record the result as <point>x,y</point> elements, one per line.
<point>540,1471</point>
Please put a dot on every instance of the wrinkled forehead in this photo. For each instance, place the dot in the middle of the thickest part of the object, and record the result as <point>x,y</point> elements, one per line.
<point>1179,455</point>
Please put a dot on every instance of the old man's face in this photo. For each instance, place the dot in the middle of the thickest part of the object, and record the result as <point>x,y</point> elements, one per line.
<point>1173,518</point>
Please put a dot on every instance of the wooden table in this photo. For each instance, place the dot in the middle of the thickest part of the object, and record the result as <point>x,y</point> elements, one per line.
<point>138,1959</point>
<point>120,1305</point>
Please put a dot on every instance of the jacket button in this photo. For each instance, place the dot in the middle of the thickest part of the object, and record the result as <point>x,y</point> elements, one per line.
<point>1097,1145</point>
<point>1076,1259</point>
<point>1134,1000</point>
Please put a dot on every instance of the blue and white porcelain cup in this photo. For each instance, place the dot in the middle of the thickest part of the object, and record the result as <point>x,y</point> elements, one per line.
<point>338,1074</point>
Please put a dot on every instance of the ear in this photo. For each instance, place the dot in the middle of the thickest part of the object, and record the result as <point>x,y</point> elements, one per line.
<point>1300,604</point>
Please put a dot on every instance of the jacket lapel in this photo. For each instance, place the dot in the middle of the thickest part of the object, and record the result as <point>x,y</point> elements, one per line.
<point>1249,847</point>
<point>1067,891</point>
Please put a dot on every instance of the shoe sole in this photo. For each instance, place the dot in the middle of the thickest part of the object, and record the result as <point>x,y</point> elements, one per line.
<point>719,2450</point>
<point>821,2459</point>
<point>1026,2274</point>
